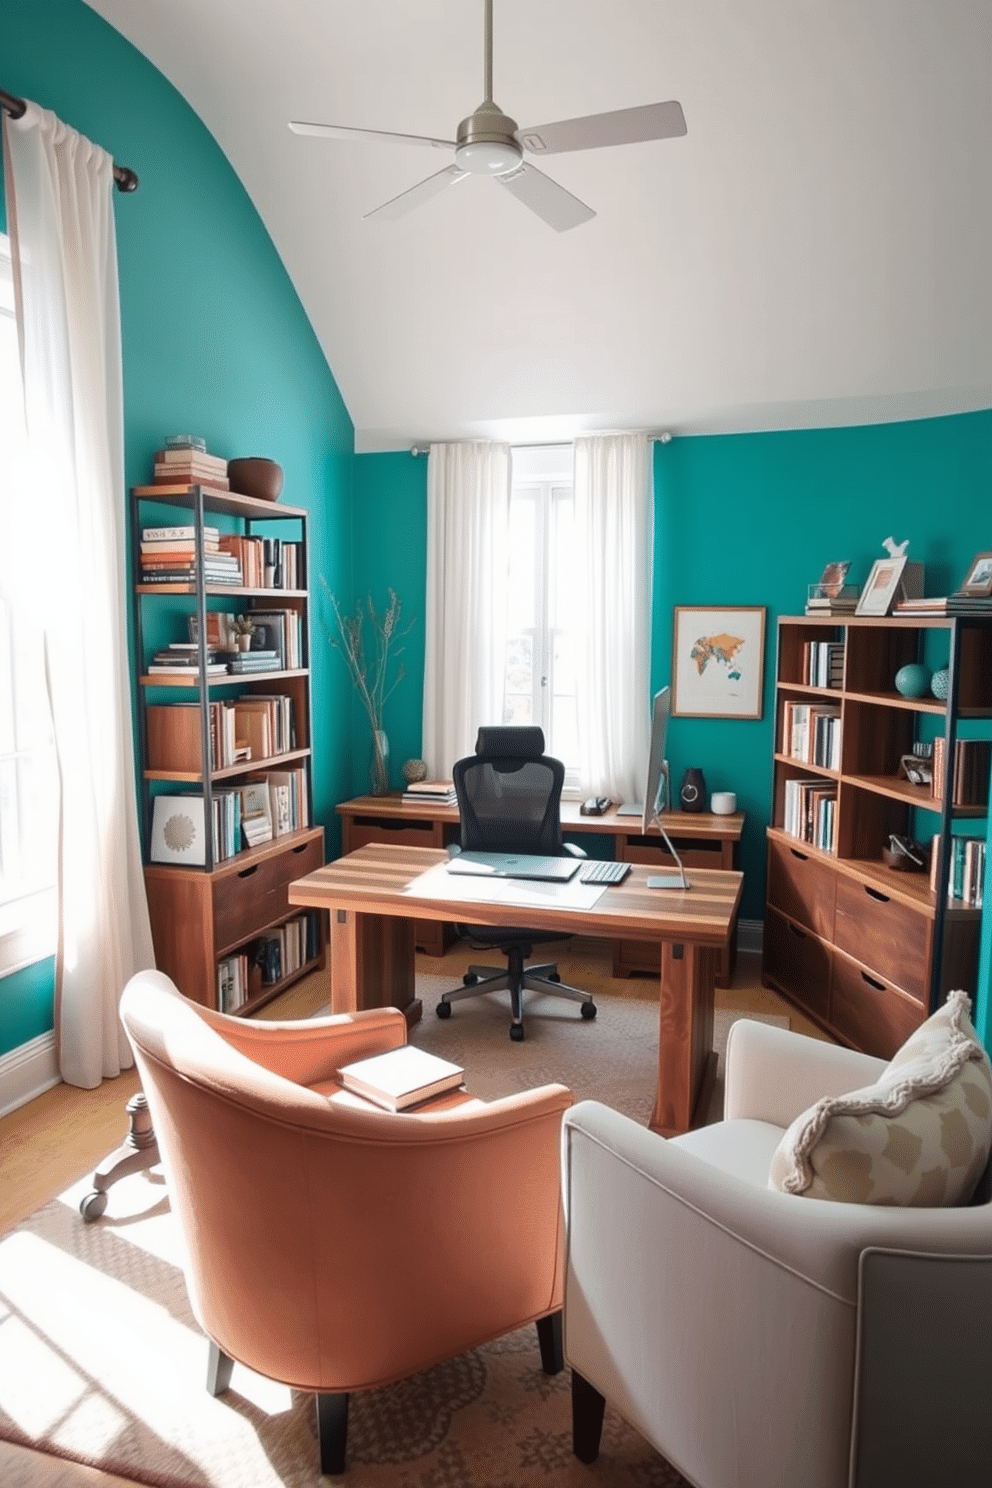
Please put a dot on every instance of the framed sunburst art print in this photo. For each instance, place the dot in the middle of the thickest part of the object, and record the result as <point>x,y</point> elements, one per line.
<point>718,661</point>
<point>177,831</point>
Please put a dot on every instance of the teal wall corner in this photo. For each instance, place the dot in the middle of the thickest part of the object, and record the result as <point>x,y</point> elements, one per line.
<point>26,1004</point>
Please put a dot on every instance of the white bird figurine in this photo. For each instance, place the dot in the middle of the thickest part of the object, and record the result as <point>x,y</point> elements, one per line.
<point>894,549</point>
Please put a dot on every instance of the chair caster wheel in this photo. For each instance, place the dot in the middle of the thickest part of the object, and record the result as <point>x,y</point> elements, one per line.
<point>469,979</point>
<point>517,1032</point>
<point>588,1010</point>
<point>92,1205</point>
<point>443,1009</point>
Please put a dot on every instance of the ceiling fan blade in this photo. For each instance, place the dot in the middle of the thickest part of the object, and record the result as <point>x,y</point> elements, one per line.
<point>378,136</point>
<point>558,207</point>
<point>398,206</point>
<point>630,126</point>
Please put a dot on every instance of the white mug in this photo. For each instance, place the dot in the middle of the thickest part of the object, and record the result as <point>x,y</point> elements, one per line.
<point>723,803</point>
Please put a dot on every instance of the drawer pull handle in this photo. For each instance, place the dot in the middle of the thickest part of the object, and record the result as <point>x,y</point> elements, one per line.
<point>247,872</point>
<point>301,847</point>
<point>874,894</point>
<point>803,857</point>
<point>795,930</point>
<point>879,986</point>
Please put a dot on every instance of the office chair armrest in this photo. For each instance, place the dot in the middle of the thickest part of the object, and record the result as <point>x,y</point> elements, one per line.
<point>310,1051</point>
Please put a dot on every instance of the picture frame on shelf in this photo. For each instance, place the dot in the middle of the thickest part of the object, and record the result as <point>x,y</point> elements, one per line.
<point>718,661</point>
<point>832,580</point>
<point>178,834</point>
<point>882,586</point>
<point>977,582</point>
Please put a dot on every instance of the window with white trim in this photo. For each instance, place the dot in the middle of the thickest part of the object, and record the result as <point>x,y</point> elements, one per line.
<point>28,778</point>
<point>540,671</point>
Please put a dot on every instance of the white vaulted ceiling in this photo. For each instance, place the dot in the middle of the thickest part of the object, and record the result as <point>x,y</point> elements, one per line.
<point>816,250</point>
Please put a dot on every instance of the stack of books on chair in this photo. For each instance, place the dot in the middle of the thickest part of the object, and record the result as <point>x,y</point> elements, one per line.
<point>436,792</point>
<point>185,461</point>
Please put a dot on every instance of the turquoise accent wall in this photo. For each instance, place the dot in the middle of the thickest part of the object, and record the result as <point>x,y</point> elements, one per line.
<point>215,340</point>
<point>750,519</point>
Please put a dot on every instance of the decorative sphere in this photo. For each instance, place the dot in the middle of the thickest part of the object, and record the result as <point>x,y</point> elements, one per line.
<point>940,683</point>
<point>414,770</point>
<point>913,680</point>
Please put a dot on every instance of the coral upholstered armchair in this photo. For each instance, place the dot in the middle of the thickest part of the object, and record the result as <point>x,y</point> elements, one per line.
<point>300,1204</point>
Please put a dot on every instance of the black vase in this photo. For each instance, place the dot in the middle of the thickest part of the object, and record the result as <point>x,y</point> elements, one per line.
<point>692,792</point>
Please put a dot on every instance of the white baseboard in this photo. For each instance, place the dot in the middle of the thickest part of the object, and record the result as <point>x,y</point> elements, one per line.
<point>26,1072</point>
<point>750,935</point>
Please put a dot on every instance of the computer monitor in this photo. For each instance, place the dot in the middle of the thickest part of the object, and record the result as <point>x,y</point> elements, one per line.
<point>657,790</point>
<point>656,793</point>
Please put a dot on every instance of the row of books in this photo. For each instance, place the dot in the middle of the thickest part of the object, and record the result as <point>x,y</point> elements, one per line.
<point>972,761</point>
<point>965,871</point>
<point>184,656</point>
<point>266,562</point>
<point>281,951</point>
<point>810,812</point>
<point>811,732</point>
<point>257,727</point>
<point>437,792</point>
<point>823,664</point>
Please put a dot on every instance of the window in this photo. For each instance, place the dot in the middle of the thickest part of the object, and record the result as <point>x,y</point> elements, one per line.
<point>28,780</point>
<point>540,672</point>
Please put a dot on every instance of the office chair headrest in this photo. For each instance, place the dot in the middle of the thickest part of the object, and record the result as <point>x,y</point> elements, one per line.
<point>510,742</point>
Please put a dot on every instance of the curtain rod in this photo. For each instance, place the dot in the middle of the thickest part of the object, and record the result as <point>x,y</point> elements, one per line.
<point>124,177</point>
<point>665,438</point>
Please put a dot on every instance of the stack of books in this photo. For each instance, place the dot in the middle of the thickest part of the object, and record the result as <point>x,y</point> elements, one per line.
<point>241,663</point>
<point>845,602</point>
<point>168,556</point>
<point>185,462</point>
<point>951,604</point>
<point>436,792</point>
<point>184,656</point>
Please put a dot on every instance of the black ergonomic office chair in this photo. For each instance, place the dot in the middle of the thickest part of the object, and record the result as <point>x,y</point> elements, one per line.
<point>509,793</point>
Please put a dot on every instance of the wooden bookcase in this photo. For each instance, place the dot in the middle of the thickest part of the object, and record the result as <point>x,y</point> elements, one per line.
<point>204,913</point>
<point>865,949</point>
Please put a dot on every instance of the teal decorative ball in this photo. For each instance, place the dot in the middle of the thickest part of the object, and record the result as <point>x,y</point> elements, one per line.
<point>940,683</point>
<point>913,680</point>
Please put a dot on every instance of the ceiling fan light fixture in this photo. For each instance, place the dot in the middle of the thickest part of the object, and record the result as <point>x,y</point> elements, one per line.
<point>482,157</point>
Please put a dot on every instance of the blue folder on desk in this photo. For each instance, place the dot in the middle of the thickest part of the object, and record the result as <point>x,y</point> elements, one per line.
<point>514,865</point>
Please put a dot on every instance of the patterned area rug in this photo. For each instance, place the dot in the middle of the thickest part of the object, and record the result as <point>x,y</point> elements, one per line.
<point>101,1361</point>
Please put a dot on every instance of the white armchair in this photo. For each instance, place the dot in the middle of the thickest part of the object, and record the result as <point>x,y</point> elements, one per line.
<point>759,1339</point>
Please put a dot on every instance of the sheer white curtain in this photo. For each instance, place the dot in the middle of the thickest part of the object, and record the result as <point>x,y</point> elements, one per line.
<point>468,508</point>
<point>60,213</point>
<point>614,525</point>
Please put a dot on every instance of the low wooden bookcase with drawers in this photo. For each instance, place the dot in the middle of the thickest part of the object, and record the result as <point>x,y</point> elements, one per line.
<point>866,949</point>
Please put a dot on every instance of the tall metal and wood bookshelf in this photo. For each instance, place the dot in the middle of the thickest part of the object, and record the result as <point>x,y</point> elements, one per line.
<point>223,906</point>
<point>865,948</point>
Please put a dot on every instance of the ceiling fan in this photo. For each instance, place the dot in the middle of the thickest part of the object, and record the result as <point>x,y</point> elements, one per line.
<point>489,143</point>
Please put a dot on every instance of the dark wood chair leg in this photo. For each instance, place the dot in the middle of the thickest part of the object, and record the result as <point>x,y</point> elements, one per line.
<point>588,1407</point>
<point>219,1367</point>
<point>549,1337</point>
<point>332,1432</point>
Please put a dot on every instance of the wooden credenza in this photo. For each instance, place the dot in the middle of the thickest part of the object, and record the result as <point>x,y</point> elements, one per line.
<point>701,840</point>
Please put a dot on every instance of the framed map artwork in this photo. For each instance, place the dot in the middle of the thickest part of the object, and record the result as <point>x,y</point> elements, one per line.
<point>718,661</point>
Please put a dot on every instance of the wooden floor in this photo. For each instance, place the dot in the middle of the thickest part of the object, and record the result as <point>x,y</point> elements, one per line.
<point>62,1135</point>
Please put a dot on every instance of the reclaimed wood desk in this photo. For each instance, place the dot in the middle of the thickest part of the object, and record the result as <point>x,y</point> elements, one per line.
<point>372,916</point>
<point>701,841</point>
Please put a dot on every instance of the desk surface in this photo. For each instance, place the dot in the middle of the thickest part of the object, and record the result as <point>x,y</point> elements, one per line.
<point>374,880</point>
<point>679,824</point>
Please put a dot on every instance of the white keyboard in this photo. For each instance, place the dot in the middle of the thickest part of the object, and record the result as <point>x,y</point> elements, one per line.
<point>604,871</point>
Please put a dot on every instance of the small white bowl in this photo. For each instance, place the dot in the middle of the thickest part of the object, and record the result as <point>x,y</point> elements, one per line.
<point>723,803</point>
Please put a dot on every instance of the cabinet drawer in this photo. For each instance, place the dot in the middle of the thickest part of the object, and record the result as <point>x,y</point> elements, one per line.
<point>797,962</point>
<point>869,1011</point>
<point>247,901</point>
<point>405,834</point>
<point>802,887</point>
<point>693,852</point>
<point>879,931</point>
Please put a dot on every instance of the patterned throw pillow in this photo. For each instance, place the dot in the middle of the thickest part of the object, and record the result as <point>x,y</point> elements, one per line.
<point>920,1136</point>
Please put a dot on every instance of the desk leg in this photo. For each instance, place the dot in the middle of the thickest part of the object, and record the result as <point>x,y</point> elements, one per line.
<point>686,1059</point>
<point>372,963</point>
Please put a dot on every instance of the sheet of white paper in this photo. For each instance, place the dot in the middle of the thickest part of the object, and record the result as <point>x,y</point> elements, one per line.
<point>438,883</point>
